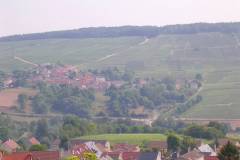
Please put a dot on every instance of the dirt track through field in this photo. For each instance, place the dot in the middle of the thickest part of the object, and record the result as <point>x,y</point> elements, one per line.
<point>25,61</point>
<point>106,57</point>
<point>146,40</point>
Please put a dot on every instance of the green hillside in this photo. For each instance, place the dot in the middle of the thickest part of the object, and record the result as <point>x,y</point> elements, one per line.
<point>215,55</point>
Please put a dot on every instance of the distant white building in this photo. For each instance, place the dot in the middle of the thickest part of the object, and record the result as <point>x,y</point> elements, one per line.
<point>207,150</point>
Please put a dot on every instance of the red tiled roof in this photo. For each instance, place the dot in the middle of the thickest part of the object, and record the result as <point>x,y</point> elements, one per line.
<point>34,141</point>
<point>158,145</point>
<point>11,144</point>
<point>130,155</point>
<point>38,155</point>
<point>46,155</point>
<point>211,158</point>
<point>124,147</point>
<point>18,156</point>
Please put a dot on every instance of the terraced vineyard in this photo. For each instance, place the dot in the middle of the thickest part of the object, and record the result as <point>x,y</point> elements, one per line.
<point>215,55</point>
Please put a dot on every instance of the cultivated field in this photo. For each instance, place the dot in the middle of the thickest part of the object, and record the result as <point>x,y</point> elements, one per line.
<point>8,97</point>
<point>128,138</point>
<point>221,100</point>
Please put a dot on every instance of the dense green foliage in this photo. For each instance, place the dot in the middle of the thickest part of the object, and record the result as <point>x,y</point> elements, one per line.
<point>229,152</point>
<point>63,98</point>
<point>154,94</point>
<point>182,145</point>
<point>72,158</point>
<point>224,128</point>
<point>169,124</point>
<point>22,101</point>
<point>2,77</point>
<point>206,132</point>
<point>20,77</point>
<point>187,143</point>
<point>89,156</point>
<point>173,143</point>
<point>38,147</point>
<point>184,107</point>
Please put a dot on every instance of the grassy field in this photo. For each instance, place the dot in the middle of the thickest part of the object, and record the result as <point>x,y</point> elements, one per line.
<point>128,138</point>
<point>215,55</point>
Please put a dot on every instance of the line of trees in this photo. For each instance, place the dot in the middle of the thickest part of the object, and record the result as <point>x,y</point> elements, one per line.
<point>63,98</point>
<point>144,31</point>
<point>154,94</point>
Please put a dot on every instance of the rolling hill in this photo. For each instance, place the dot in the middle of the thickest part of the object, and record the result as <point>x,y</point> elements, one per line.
<point>181,50</point>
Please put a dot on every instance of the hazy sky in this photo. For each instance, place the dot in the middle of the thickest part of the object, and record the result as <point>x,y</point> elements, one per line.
<point>26,16</point>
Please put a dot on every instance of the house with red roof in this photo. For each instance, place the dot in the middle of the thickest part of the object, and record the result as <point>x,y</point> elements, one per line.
<point>130,155</point>
<point>38,155</point>
<point>28,142</point>
<point>125,147</point>
<point>10,145</point>
<point>105,145</point>
<point>46,155</point>
<point>211,158</point>
<point>158,145</point>
<point>18,156</point>
<point>27,139</point>
<point>88,147</point>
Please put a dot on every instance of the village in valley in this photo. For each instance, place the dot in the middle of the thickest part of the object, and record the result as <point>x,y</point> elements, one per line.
<point>65,75</point>
<point>119,80</point>
<point>94,79</point>
<point>28,147</point>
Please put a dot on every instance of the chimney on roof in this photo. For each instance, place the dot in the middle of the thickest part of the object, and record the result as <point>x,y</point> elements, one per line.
<point>215,148</point>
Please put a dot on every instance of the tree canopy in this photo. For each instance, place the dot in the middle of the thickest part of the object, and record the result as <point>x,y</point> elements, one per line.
<point>229,152</point>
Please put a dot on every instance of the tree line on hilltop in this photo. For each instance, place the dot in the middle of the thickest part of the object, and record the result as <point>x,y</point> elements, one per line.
<point>123,31</point>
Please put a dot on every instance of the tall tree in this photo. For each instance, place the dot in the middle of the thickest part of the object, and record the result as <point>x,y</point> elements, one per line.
<point>42,129</point>
<point>173,143</point>
<point>229,152</point>
<point>22,101</point>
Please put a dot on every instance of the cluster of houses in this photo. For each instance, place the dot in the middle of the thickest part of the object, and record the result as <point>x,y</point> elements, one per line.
<point>13,150</point>
<point>193,84</point>
<point>156,150</point>
<point>104,151</point>
<point>65,74</point>
<point>69,74</point>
